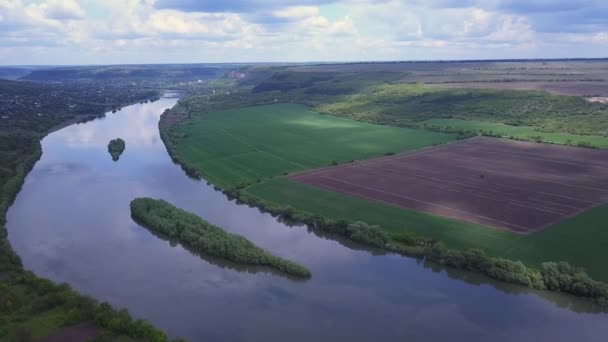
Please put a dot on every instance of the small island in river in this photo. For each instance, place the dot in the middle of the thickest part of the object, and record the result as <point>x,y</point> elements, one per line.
<point>116,147</point>
<point>199,235</point>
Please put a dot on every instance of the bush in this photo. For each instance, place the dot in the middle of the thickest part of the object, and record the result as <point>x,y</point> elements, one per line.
<point>406,238</point>
<point>563,277</point>
<point>514,272</point>
<point>370,235</point>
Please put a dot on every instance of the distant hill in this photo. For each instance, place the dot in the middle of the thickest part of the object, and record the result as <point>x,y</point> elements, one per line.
<point>176,72</point>
<point>13,73</point>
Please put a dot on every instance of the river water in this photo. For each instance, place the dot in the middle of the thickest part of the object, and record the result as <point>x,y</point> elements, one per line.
<point>71,223</point>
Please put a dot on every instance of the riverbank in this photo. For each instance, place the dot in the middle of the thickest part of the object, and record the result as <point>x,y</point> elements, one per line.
<point>88,117</point>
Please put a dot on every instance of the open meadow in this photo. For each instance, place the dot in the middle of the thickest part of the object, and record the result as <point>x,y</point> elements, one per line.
<point>238,147</point>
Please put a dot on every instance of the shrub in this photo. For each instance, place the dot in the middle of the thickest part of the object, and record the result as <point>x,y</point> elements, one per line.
<point>407,238</point>
<point>367,234</point>
<point>561,276</point>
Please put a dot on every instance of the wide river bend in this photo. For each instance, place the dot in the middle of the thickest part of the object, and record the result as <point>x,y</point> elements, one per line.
<point>71,223</point>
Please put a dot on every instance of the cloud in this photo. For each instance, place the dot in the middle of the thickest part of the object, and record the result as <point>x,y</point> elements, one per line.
<point>122,31</point>
<point>544,6</point>
<point>62,9</point>
<point>543,15</point>
<point>236,6</point>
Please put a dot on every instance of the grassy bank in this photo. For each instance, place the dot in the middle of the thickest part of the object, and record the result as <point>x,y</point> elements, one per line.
<point>203,237</point>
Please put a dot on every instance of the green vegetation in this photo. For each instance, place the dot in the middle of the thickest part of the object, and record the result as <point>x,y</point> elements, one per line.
<point>201,151</point>
<point>579,240</point>
<point>406,105</point>
<point>34,108</point>
<point>31,308</point>
<point>394,98</point>
<point>203,237</point>
<point>116,147</point>
<point>366,234</point>
<point>513,132</point>
<point>238,147</point>
<point>236,160</point>
<point>322,83</point>
<point>559,277</point>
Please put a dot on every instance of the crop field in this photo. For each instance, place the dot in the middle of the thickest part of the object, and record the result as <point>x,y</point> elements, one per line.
<point>392,218</point>
<point>520,132</point>
<point>236,144</point>
<point>237,147</point>
<point>520,187</point>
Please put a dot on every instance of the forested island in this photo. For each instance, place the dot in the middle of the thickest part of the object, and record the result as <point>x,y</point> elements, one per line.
<point>116,147</point>
<point>201,236</point>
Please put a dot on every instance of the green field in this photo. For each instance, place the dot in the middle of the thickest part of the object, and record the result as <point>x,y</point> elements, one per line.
<point>237,147</point>
<point>253,147</point>
<point>520,132</point>
<point>580,240</point>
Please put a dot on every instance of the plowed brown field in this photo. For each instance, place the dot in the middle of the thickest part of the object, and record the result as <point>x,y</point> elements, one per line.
<point>517,186</point>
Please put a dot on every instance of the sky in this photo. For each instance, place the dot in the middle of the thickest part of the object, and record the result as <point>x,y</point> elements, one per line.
<point>44,32</point>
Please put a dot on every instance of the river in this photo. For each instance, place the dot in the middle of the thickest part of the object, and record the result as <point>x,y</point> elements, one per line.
<point>71,223</point>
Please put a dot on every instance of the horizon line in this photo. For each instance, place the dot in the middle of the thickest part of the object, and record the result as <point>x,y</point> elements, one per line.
<point>490,60</point>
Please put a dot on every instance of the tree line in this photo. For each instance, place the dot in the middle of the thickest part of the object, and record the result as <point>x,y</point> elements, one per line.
<point>552,276</point>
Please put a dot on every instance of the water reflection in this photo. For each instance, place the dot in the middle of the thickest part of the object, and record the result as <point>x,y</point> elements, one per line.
<point>576,304</point>
<point>223,263</point>
<point>71,222</point>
